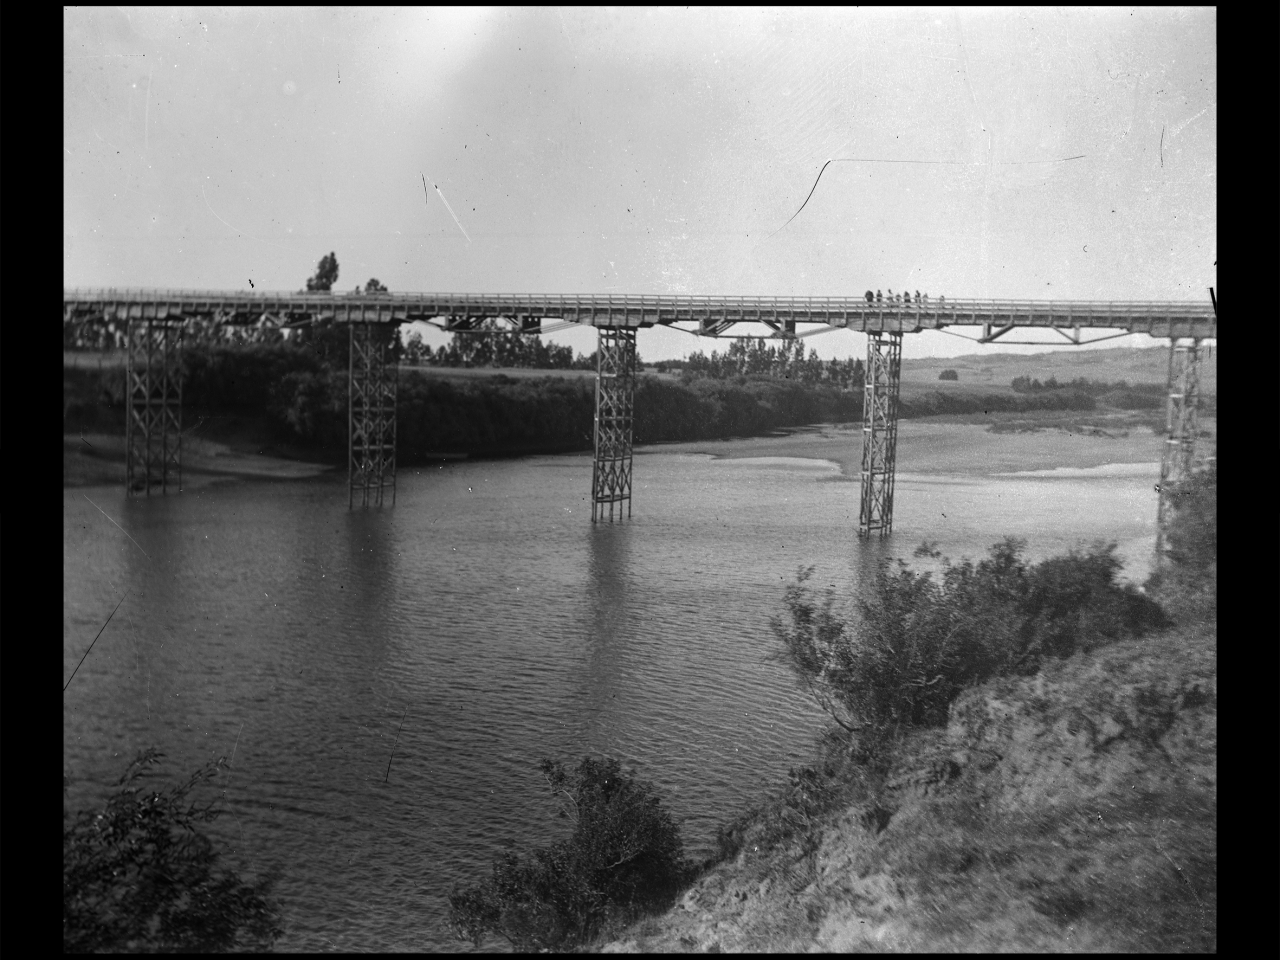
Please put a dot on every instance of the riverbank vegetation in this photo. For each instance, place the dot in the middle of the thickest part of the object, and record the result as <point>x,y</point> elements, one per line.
<point>298,389</point>
<point>1021,757</point>
<point>139,875</point>
<point>624,858</point>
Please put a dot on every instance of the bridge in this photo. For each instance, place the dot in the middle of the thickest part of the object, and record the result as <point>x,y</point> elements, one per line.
<point>155,320</point>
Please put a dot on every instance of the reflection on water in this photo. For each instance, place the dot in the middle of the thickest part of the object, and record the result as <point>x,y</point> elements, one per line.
<point>267,621</point>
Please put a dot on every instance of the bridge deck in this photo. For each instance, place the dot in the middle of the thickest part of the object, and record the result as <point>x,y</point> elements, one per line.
<point>713,314</point>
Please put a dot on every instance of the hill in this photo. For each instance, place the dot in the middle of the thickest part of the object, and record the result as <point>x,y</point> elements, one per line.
<point>1146,365</point>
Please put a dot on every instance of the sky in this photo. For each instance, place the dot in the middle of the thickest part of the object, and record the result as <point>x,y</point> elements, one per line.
<point>647,151</point>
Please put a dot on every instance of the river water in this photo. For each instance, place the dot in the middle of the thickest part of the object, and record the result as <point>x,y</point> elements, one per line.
<point>266,622</point>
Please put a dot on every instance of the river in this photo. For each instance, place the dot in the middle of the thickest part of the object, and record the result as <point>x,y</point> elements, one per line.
<point>265,621</point>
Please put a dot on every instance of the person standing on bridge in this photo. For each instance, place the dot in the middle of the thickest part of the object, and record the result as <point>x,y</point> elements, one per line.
<point>888,294</point>
<point>917,296</point>
<point>879,299</point>
<point>869,297</point>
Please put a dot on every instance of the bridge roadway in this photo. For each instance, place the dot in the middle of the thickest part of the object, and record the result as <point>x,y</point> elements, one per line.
<point>713,314</point>
<point>154,319</point>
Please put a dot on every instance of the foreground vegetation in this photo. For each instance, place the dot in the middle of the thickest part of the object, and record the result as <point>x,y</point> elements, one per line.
<point>139,875</point>
<point>624,858</point>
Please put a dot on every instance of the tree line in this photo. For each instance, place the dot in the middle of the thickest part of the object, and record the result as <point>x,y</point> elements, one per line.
<point>491,344</point>
<point>751,358</point>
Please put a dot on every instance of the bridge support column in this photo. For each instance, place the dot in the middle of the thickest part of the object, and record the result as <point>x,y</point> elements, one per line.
<point>880,432</point>
<point>372,379</point>
<point>615,397</point>
<point>1182,424</point>
<point>153,416</point>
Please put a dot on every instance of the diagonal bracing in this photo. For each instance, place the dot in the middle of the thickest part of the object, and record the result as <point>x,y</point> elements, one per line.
<point>880,433</point>
<point>371,414</point>
<point>615,398</point>
<point>153,424</point>
<point>1182,425</point>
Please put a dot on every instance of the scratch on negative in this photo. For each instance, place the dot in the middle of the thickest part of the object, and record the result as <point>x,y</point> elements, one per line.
<point>215,213</point>
<point>95,640</point>
<point>948,163</point>
<point>122,529</point>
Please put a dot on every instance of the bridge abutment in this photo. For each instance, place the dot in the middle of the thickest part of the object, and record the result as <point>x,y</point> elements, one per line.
<point>372,382</point>
<point>1182,419</point>
<point>153,415</point>
<point>880,432</point>
<point>615,403</point>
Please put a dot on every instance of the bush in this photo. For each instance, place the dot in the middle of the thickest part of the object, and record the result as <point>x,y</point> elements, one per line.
<point>140,876</point>
<point>948,375</point>
<point>918,642</point>
<point>623,859</point>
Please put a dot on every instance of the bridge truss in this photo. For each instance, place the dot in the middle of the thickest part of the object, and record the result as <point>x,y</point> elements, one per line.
<point>153,419</point>
<point>615,403</point>
<point>1182,427</point>
<point>156,317</point>
<point>371,414</point>
<point>880,432</point>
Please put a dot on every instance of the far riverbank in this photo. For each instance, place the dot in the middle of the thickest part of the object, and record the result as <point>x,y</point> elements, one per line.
<point>943,445</point>
<point>931,445</point>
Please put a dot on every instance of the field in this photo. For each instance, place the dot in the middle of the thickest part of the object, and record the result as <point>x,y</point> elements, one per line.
<point>993,371</point>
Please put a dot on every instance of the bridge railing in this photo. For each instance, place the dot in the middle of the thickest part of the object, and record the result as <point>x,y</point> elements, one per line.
<point>634,309</point>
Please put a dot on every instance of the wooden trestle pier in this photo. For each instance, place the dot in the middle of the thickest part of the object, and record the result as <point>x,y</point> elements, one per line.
<point>154,319</point>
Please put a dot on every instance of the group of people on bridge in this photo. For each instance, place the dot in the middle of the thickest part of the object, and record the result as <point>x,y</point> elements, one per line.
<point>899,298</point>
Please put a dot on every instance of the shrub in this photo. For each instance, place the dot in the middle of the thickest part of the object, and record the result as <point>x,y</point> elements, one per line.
<point>917,642</point>
<point>948,375</point>
<point>139,876</point>
<point>624,858</point>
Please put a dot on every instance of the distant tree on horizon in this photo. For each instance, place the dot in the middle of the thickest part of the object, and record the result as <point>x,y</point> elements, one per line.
<point>326,274</point>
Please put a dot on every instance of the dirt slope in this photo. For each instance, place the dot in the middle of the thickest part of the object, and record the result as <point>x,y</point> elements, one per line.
<point>1070,811</point>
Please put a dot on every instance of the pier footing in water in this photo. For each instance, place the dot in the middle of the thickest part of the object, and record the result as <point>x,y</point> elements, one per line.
<point>373,376</point>
<point>880,433</point>
<point>615,398</point>
<point>153,422</point>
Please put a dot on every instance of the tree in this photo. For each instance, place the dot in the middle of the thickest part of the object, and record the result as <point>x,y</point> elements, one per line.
<point>413,348</point>
<point>373,286</point>
<point>140,876</point>
<point>948,375</point>
<point>624,857</point>
<point>326,274</point>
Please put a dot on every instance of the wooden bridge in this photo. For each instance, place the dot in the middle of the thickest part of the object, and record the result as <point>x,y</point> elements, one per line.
<point>155,318</point>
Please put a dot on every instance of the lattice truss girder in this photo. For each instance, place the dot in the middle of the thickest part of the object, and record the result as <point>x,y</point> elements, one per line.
<point>615,401</point>
<point>880,432</point>
<point>372,384</point>
<point>1182,421</point>
<point>153,425</point>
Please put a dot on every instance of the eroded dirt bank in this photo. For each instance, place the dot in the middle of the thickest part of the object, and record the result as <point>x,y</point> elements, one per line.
<point>1069,811</point>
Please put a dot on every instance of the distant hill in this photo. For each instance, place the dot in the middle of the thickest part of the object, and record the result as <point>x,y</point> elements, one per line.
<point>1149,365</point>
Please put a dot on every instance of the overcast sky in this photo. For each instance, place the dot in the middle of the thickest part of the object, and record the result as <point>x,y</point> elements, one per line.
<point>647,151</point>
